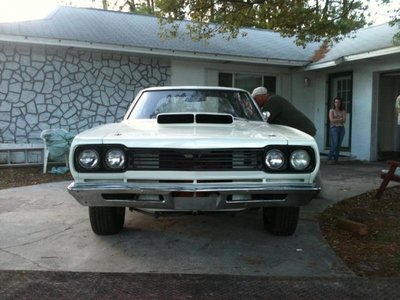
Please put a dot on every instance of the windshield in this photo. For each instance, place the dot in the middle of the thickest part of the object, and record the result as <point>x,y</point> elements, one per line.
<point>238,104</point>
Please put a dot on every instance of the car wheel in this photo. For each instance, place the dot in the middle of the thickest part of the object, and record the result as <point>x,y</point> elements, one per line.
<point>107,220</point>
<point>281,220</point>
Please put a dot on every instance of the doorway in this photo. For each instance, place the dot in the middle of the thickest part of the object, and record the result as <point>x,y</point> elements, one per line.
<point>388,117</point>
<point>340,85</point>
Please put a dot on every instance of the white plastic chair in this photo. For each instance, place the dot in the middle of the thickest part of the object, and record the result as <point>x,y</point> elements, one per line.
<point>46,153</point>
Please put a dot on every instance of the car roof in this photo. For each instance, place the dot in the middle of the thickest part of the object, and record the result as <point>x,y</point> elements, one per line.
<point>216,88</point>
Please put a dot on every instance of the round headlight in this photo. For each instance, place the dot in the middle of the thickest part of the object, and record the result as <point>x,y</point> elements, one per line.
<point>115,158</point>
<point>275,159</point>
<point>300,159</point>
<point>88,159</point>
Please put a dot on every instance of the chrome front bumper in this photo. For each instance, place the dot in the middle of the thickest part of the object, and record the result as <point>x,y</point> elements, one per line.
<point>182,197</point>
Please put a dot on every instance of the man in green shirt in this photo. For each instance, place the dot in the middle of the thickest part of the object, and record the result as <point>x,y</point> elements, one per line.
<point>282,112</point>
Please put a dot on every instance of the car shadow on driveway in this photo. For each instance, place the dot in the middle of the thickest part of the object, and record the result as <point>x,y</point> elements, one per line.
<point>49,230</point>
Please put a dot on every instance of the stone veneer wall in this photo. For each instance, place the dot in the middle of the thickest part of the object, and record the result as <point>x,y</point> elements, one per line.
<point>43,88</point>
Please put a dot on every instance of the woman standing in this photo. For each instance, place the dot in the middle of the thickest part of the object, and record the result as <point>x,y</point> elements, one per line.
<point>337,118</point>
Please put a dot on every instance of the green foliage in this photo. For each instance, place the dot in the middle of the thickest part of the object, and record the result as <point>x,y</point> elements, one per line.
<point>134,6</point>
<point>396,22</point>
<point>306,20</point>
<point>144,9</point>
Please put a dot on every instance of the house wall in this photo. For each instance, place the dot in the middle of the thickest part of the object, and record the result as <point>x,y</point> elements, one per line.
<point>43,88</point>
<point>187,73</point>
<point>206,73</point>
<point>365,102</point>
<point>304,95</point>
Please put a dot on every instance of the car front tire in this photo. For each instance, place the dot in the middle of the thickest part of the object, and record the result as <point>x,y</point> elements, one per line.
<point>107,220</point>
<point>281,221</point>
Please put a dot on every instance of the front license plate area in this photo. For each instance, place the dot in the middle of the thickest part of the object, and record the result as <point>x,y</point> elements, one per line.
<point>195,203</point>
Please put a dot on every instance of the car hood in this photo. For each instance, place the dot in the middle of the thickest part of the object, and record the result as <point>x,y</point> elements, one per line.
<point>150,134</point>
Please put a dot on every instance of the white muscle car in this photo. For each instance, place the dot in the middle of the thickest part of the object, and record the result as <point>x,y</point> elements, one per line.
<point>194,150</point>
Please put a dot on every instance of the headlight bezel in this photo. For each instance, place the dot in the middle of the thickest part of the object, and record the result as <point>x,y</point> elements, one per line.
<point>288,151</point>
<point>102,150</point>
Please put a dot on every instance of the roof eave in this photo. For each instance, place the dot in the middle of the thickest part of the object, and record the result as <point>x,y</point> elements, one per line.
<point>353,57</point>
<point>148,50</point>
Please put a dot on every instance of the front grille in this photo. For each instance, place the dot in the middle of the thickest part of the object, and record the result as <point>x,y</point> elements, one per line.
<point>195,160</point>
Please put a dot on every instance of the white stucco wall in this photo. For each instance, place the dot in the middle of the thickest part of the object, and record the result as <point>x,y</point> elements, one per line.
<point>362,113</point>
<point>187,73</point>
<point>320,112</point>
<point>304,97</point>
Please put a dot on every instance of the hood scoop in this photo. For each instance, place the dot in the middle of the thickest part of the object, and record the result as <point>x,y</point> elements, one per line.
<point>194,118</point>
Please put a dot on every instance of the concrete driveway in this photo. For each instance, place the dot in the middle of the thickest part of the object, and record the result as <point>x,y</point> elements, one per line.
<point>43,228</point>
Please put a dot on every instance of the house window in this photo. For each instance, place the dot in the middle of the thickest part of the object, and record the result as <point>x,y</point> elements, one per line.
<point>247,82</point>
<point>225,79</point>
<point>270,84</point>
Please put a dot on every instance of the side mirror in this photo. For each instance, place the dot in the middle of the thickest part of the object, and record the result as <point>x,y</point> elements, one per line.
<point>266,115</point>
